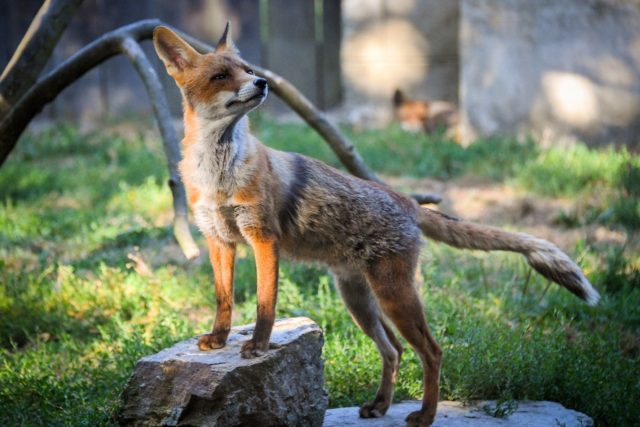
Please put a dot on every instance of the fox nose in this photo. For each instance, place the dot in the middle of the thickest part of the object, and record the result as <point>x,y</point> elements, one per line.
<point>261,83</point>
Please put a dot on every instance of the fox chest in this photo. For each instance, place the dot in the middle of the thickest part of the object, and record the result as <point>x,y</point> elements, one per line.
<point>217,221</point>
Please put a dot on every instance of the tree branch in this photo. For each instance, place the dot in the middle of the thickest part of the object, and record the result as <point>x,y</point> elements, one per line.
<point>299,103</point>
<point>34,50</point>
<point>122,40</point>
<point>46,90</point>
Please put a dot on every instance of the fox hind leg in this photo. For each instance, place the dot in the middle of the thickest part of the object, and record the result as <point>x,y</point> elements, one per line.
<point>365,312</point>
<point>391,280</point>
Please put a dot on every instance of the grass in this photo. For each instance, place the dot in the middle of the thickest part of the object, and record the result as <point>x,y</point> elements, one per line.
<point>76,311</point>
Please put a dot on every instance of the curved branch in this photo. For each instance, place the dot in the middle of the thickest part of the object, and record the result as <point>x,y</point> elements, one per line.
<point>46,90</point>
<point>340,145</point>
<point>122,40</point>
<point>136,55</point>
<point>34,50</point>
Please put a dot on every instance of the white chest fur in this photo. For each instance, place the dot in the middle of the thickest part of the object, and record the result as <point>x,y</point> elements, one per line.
<point>219,149</point>
<point>216,165</point>
<point>217,221</point>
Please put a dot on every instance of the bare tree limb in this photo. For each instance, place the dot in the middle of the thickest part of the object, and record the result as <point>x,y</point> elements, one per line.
<point>340,145</point>
<point>158,99</point>
<point>34,50</point>
<point>48,88</point>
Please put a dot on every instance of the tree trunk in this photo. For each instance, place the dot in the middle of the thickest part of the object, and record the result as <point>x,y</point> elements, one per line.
<point>34,50</point>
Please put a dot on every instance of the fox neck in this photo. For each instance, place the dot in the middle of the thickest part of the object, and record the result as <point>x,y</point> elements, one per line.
<point>214,148</point>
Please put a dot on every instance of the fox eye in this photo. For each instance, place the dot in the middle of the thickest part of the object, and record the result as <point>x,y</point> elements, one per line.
<point>219,76</point>
<point>250,71</point>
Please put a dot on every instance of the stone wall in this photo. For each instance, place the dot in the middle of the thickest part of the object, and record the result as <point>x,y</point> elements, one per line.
<point>551,69</point>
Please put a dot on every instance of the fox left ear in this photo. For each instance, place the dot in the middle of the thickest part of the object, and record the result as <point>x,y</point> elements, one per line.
<point>176,54</point>
<point>225,44</point>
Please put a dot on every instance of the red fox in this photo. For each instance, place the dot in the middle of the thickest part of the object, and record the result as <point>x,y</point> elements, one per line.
<point>287,204</point>
<point>426,116</point>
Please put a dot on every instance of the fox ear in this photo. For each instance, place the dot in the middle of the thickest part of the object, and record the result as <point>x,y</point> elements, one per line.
<point>176,54</point>
<point>398,98</point>
<point>226,43</point>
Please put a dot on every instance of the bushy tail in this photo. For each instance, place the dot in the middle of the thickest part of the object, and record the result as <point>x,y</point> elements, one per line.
<point>543,256</point>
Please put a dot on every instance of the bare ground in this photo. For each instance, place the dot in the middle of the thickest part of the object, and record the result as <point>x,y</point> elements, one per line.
<point>500,205</point>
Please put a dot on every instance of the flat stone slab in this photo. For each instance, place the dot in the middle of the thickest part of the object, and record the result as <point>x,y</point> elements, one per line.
<point>455,414</point>
<point>184,386</point>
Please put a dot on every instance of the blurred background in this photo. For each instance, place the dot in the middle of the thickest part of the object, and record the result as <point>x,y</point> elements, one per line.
<point>554,70</point>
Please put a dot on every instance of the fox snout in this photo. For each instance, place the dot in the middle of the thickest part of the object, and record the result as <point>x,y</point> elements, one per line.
<point>256,90</point>
<point>259,88</point>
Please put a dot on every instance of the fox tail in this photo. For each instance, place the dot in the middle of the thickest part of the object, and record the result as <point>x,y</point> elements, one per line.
<point>546,258</point>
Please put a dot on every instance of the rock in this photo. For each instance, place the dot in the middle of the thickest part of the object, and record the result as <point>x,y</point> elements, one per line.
<point>454,414</point>
<point>182,385</point>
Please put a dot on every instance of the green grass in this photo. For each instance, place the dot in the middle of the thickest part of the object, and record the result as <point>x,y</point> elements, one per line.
<point>76,313</point>
<point>396,152</point>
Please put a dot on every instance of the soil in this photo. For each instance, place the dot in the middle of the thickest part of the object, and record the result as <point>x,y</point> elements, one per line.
<point>500,205</point>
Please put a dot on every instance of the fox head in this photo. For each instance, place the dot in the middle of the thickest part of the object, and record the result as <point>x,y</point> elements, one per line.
<point>215,85</point>
<point>413,115</point>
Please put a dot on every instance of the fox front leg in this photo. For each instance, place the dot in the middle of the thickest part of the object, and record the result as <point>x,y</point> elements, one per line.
<point>266,250</point>
<point>222,257</point>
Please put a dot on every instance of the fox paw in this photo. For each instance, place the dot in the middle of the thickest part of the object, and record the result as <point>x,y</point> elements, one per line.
<point>419,419</point>
<point>374,409</point>
<point>211,341</point>
<point>251,349</point>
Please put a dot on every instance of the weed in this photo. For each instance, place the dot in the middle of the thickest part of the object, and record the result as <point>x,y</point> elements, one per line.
<point>502,408</point>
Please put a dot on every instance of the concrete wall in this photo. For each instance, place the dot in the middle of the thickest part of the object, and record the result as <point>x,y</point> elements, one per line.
<point>551,68</point>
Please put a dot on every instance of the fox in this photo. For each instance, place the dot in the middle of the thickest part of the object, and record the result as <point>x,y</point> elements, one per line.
<point>283,204</point>
<point>426,116</point>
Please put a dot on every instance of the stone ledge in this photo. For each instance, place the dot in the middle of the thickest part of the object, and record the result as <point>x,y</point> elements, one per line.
<point>454,414</point>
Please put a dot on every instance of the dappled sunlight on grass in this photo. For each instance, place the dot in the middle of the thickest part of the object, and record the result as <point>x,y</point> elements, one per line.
<point>150,199</point>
